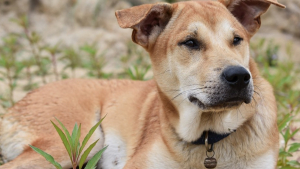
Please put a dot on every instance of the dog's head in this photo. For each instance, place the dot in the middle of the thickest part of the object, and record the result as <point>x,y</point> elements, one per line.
<point>200,56</point>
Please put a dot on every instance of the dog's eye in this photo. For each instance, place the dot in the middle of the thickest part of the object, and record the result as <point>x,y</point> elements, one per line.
<point>237,40</point>
<point>193,44</point>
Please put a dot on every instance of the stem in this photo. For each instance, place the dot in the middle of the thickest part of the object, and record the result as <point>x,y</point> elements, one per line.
<point>29,79</point>
<point>35,54</point>
<point>10,85</point>
<point>74,163</point>
<point>73,73</point>
<point>74,166</point>
<point>54,64</point>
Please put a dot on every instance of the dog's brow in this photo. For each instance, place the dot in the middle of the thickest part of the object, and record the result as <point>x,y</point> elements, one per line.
<point>195,30</point>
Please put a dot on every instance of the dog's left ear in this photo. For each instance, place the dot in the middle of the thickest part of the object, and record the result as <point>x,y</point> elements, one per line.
<point>248,12</point>
<point>147,21</point>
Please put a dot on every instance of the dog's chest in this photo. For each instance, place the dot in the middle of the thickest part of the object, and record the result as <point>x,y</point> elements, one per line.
<point>114,157</point>
<point>160,157</point>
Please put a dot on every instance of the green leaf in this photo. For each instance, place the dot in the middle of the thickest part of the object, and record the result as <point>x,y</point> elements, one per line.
<point>86,153</point>
<point>77,144</point>
<point>287,118</point>
<point>289,168</point>
<point>285,154</point>
<point>65,130</point>
<point>294,132</point>
<point>94,160</point>
<point>88,136</point>
<point>294,163</point>
<point>74,135</point>
<point>294,147</point>
<point>287,135</point>
<point>64,139</point>
<point>47,156</point>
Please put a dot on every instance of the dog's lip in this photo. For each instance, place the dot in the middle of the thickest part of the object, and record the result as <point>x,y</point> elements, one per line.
<point>235,100</point>
<point>232,102</point>
<point>196,101</point>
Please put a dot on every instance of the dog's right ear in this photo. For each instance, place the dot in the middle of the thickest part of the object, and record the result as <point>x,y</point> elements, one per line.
<point>147,21</point>
<point>248,12</point>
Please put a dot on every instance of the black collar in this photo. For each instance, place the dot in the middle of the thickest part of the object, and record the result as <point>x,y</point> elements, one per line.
<point>212,138</point>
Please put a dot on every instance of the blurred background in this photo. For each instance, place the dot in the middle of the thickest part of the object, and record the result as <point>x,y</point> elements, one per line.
<point>42,41</point>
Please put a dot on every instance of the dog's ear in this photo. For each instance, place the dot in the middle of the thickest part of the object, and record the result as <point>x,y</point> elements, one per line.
<point>248,12</point>
<point>147,21</point>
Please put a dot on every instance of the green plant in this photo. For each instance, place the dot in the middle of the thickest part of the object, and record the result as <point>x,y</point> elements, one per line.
<point>283,76</point>
<point>288,149</point>
<point>72,60</point>
<point>135,63</point>
<point>12,67</point>
<point>137,73</point>
<point>95,63</point>
<point>54,50</point>
<point>28,64</point>
<point>72,145</point>
<point>36,49</point>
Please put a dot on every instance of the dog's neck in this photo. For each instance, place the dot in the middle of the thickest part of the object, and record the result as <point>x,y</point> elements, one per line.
<point>212,138</point>
<point>186,124</point>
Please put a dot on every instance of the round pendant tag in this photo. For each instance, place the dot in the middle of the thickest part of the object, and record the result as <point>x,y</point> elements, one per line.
<point>210,162</point>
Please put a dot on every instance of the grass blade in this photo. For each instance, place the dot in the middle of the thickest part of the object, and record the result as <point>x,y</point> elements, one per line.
<point>64,139</point>
<point>77,141</point>
<point>88,136</point>
<point>86,153</point>
<point>65,130</point>
<point>294,147</point>
<point>286,120</point>
<point>74,134</point>
<point>47,156</point>
<point>94,160</point>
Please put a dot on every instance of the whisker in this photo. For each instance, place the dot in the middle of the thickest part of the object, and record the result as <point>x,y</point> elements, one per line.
<point>187,98</point>
<point>240,112</point>
<point>185,92</point>
<point>221,120</point>
<point>168,70</point>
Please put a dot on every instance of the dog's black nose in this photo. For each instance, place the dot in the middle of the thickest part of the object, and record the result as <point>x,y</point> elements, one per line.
<point>236,76</point>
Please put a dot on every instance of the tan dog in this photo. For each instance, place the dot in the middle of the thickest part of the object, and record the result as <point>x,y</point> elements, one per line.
<point>204,81</point>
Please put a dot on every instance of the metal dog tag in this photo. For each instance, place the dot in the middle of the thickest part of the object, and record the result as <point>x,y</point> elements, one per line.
<point>210,162</point>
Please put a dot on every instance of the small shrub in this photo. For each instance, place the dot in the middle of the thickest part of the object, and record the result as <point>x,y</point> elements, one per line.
<point>72,145</point>
<point>11,65</point>
<point>282,76</point>
<point>95,63</point>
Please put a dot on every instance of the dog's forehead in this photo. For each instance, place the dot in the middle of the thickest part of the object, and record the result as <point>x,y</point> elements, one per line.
<point>206,15</point>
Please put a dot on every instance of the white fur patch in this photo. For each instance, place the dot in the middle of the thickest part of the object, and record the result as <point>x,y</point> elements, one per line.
<point>266,161</point>
<point>114,157</point>
<point>189,121</point>
<point>98,134</point>
<point>13,138</point>
<point>159,158</point>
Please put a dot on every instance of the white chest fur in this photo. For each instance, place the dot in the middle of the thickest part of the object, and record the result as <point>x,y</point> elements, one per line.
<point>114,157</point>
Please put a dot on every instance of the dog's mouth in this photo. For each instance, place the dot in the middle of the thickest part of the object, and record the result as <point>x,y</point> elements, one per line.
<point>197,102</point>
<point>224,104</point>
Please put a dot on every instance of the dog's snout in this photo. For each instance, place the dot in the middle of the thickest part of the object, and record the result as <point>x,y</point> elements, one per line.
<point>236,76</point>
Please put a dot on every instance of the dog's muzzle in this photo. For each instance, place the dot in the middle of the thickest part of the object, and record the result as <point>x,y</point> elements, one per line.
<point>233,89</point>
<point>236,77</point>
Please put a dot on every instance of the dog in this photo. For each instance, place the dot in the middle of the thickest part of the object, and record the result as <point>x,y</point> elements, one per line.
<point>207,102</point>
